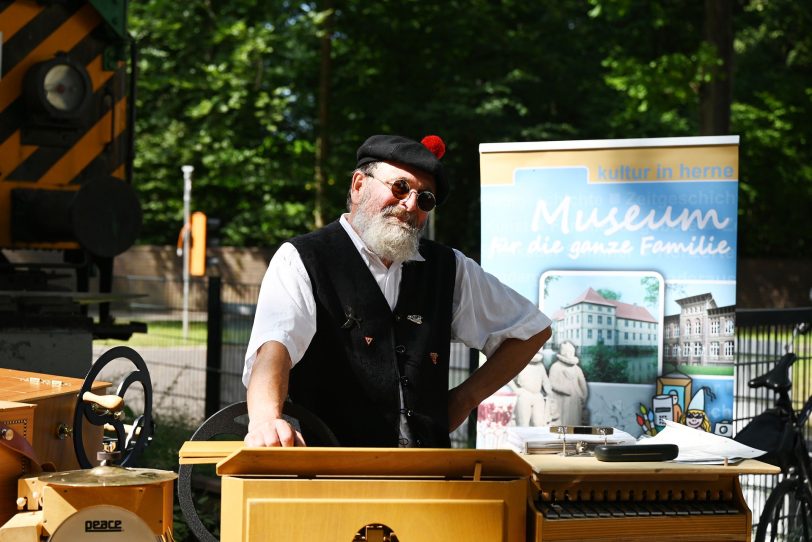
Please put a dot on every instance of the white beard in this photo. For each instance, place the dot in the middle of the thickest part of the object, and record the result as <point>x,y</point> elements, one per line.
<point>385,235</point>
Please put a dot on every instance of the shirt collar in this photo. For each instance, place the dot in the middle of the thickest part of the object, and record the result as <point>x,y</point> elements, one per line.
<point>361,247</point>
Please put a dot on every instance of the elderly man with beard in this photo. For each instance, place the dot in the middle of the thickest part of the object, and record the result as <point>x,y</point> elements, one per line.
<point>354,321</point>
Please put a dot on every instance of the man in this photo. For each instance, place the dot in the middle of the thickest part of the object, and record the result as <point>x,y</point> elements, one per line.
<point>354,321</point>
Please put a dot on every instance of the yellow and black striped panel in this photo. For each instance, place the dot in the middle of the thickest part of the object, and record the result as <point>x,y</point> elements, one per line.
<point>55,156</point>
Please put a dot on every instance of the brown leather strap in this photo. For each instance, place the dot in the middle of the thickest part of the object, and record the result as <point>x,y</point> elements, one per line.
<point>18,444</point>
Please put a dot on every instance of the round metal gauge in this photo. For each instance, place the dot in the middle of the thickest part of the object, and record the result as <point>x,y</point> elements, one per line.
<point>59,87</point>
<point>64,87</point>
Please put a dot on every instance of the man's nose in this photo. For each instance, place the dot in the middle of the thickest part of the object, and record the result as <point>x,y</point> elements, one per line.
<point>409,202</point>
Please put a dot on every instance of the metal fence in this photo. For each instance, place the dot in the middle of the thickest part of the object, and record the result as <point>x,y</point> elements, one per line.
<point>176,354</point>
<point>196,373</point>
<point>762,337</point>
<point>190,379</point>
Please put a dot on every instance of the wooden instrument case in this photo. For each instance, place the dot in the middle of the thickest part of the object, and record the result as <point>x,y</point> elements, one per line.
<point>302,494</point>
<point>489,495</point>
<point>55,401</point>
<point>18,417</point>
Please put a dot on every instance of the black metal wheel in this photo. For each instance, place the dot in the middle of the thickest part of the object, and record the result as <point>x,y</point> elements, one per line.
<point>787,514</point>
<point>130,442</point>
<point>232,422</point>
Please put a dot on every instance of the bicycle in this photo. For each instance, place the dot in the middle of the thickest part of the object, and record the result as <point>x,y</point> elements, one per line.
<point>787,513</point>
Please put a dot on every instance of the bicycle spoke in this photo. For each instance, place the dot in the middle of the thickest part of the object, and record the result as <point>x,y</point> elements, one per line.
<point>775,522</point>
<point>787,515</point>
<point>798,520</point>
<point>805,514</point>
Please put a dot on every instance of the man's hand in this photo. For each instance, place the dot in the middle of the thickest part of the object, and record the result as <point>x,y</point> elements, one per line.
<point>267,390</point>
<point>275,432</point>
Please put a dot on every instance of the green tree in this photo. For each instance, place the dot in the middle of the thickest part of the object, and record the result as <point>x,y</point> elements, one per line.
<point>609,294</point>
<point>651,286</point>
<point>269,100</point>
<point>215,91</point>
<point>772,110</point>
<point>602,363</point>
<point>548,280</point>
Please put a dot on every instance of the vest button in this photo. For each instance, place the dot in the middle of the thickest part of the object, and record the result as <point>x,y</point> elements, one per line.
<point>400,349</point>
<point>418,443</point>
<point>404,380</point>
<point>397,318</point>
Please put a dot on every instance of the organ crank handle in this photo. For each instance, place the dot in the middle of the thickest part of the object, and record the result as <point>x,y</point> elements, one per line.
<point>105,404</point>
<point>101,405</point>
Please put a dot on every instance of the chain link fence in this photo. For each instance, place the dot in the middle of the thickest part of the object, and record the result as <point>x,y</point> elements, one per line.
<point>190,381</point>
<point>184,371</point>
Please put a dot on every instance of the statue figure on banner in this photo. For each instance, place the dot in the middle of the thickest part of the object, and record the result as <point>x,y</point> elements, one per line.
<point>532,387</point>
<point>569,385</point>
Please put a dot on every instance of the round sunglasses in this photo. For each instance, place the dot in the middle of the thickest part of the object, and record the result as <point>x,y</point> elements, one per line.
<point>401,190</point>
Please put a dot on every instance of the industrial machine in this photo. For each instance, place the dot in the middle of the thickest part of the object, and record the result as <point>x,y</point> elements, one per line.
<point>67,205</point>
<point>67,209</point>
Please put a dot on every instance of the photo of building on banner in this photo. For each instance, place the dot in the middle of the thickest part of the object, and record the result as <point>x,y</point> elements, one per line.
<point>629,246</point>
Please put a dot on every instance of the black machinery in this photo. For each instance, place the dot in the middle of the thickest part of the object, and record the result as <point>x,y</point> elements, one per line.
<point>67,205</point>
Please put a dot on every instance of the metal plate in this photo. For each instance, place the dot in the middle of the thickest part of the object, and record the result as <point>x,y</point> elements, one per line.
<point>108,476</point>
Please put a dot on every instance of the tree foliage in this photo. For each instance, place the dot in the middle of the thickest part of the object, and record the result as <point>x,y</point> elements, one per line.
<point>233,89</point>
<point>609,294</point>
<point>602,363</point>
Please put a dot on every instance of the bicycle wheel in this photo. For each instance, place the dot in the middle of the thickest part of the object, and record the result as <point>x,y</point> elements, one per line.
<point>787,515</point>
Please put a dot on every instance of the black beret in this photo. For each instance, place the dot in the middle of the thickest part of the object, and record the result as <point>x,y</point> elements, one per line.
<point>393,148</point>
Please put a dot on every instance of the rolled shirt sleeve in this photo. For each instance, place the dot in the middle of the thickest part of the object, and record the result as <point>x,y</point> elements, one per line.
<point>486,311</point>
<point>286,309</point>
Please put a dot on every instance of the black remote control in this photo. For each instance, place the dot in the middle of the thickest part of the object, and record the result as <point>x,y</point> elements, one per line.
<point>636,452</point>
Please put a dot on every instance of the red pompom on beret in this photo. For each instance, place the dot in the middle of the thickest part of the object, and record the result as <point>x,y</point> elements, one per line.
<point>435,145</point>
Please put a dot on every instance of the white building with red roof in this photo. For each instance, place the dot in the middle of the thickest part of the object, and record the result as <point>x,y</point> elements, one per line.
<point>591,319</point>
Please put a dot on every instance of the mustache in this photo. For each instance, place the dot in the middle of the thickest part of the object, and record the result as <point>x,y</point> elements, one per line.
<point>401,214</point>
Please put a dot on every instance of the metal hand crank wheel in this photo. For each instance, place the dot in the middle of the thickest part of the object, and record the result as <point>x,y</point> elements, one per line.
<point>130,443</point>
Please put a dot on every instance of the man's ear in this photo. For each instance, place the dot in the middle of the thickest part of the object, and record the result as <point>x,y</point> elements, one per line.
<point>357,183</point>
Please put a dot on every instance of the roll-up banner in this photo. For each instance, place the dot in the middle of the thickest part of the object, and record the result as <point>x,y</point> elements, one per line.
<point>630,247</point>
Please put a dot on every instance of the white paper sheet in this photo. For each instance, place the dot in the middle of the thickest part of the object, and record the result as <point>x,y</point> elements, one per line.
<point>697,446</point>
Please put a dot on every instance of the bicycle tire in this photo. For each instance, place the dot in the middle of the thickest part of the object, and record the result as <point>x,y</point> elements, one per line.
<point>787,514</point>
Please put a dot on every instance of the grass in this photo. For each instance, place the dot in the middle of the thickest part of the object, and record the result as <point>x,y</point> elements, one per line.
<point>169,333</point>
<point>164,333</point>
<point>162,453</point>
<point>697,370</point>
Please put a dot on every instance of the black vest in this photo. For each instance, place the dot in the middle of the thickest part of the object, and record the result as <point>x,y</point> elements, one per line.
<point>363,351</point>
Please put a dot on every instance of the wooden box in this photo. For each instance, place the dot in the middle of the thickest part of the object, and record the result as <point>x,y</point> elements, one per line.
<point>19,418</point>
<point>55,399</point>
<point>152,502</point>
<point>301,494</point>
